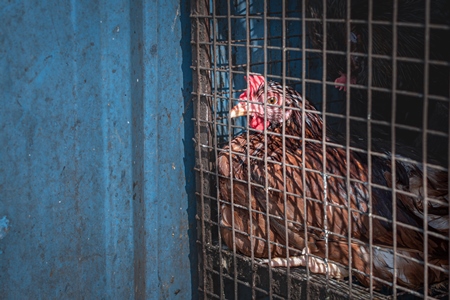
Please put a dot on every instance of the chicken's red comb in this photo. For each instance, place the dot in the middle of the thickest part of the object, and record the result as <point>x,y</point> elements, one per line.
<point>253,84</point>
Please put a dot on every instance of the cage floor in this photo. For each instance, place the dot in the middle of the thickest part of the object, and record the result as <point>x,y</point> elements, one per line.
<point>236,277</point>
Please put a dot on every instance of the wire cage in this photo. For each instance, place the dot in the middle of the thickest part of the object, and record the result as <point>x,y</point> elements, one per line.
<point>377,76</point>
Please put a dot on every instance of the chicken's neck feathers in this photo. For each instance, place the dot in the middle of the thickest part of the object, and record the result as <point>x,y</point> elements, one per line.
<point>313,121</point>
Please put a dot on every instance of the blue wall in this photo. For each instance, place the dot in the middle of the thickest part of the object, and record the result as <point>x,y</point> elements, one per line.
<point>96,156</point>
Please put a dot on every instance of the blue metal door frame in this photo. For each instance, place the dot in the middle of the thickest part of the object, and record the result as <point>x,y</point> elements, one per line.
<point>96,160</point>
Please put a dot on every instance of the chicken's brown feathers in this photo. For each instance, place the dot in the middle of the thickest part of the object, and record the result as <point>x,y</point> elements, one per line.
<point>289,183</point>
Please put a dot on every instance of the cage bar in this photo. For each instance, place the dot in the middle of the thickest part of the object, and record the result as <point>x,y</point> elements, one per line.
<point>234,39</point>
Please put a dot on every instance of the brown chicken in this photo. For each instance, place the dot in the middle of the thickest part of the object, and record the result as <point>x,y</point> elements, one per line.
<point>292,184</point>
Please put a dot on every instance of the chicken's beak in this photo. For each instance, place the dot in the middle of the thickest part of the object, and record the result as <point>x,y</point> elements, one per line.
<point>239,110</point>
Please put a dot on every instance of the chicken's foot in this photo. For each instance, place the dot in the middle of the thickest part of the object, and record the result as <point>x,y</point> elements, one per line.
<point>315,264</point>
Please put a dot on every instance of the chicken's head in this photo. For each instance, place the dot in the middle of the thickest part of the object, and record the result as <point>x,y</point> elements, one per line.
<point>253,100</point>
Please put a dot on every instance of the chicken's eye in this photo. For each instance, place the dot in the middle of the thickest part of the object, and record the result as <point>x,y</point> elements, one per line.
<point>272,100</point>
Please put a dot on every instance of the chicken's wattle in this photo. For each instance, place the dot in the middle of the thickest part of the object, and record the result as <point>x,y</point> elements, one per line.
<point>343,79</point>
<point>257,122</point>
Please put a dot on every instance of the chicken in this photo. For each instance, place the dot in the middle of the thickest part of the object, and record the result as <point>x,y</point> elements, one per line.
<point>272,189</point>
<point>409,44</point>
<point>388,46</point>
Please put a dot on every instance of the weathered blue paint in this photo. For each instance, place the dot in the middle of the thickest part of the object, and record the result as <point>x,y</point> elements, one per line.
<point>4,227</point>
<point>96,159</point>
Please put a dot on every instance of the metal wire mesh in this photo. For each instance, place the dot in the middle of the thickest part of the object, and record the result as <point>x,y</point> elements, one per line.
<point>392,59</point>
